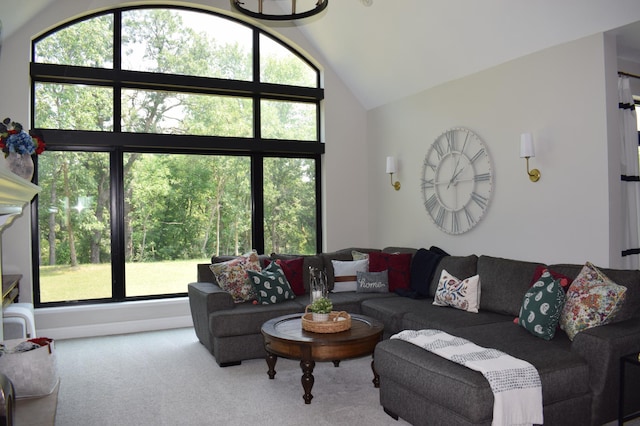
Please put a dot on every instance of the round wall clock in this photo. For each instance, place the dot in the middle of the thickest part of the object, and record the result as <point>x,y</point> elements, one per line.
<point>457,180</point>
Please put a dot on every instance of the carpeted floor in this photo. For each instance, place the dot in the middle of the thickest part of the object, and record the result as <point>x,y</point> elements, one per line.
<point>169,378</point>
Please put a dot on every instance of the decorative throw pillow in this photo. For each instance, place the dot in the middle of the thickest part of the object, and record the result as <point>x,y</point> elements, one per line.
<point>423,268</point>
<point>372,282</point>
<point>345,273</point>
<point>565,281</point>
<point>358,255</point>
<point>292,269</point>
<point>398,265</point>
<point>541,306</point>
<point>232,276</point>
<point>271,285</point>
<point>592,300</point>
<point>459,294</point>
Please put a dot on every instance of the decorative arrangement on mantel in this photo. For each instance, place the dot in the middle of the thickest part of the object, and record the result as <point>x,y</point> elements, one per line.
<point>18,147</point>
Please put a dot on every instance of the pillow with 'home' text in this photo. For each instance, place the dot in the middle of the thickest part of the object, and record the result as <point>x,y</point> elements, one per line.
<point>372,282</point>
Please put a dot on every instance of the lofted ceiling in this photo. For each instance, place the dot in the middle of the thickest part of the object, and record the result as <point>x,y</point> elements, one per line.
<point>391,49</point>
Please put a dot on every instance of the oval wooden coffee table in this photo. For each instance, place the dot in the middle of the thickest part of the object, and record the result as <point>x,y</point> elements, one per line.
<point>284,337</point>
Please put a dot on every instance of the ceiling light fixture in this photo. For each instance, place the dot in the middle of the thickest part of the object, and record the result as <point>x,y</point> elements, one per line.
<point>259,10</point>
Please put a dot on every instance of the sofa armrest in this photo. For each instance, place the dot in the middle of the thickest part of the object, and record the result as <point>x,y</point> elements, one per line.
<point>205,298</point>
<point>602,348</point>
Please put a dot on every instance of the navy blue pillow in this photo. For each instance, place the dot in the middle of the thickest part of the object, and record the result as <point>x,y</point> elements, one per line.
<point>423,266</point>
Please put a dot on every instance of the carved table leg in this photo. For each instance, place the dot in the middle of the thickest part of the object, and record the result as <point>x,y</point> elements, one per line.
<point>307,379</point>
<point>376,377</point>
<point>271,362</point>
<point>336,363</point>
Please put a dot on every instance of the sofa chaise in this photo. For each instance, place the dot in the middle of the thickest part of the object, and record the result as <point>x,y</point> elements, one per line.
<point>580,377</point>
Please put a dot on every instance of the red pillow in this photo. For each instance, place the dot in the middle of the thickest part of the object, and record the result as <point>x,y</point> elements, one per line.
<point>398,265</point>
<point>565,281</point>
<point>292,269</point>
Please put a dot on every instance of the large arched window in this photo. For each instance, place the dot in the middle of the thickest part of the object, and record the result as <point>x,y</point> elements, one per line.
<point>173,134</point>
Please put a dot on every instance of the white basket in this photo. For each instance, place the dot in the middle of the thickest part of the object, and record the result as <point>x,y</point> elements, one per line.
<point>33,373</point>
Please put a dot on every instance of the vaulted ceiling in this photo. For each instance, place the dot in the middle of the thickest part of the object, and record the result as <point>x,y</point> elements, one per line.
<point>395,48</point>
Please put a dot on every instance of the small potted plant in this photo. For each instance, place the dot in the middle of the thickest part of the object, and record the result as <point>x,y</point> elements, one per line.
<point>320,309</point>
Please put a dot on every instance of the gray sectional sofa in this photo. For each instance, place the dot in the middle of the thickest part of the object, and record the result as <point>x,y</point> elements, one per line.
<point>580,378</point>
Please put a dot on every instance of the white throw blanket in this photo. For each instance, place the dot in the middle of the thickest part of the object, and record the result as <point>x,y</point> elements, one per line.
<point>515,383</point>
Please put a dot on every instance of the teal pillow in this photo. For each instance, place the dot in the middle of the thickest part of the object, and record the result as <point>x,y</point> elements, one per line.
<point>542,306</point>
<point>271,285</point>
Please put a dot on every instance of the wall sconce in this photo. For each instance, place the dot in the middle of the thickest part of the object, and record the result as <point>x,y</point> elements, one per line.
<point>391,169</point>
<point>527,151</point>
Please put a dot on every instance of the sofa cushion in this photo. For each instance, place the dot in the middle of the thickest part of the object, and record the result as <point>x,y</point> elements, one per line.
<point>390,310</point>
<point>427,315</point>
<point>460,294</point>
<point>345,273</point>
<point>398,265</point>
<point>504,283</point>
<point>247,318</point>
<point>465,391</point>
<point>232,276</point>
<point>351,301</point>
<point>372,282</point>
<point>459,266</point>
<point>271,285</point>
<point>541,306</point>
<point>592,300</point>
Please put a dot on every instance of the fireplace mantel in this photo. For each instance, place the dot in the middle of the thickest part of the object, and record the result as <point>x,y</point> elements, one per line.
<point>15,193</point>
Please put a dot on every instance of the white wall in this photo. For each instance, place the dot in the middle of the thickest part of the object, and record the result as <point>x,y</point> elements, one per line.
<point>344,174</point>
<point>557,94</point>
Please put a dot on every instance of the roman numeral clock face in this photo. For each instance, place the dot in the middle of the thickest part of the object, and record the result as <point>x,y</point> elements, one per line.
<point>457,180</point>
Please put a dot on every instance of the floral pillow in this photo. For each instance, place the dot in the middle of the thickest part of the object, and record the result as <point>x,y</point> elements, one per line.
<point>541,306</point>
<point>271,285</point>
<point>232,276</point>
<point>592,300</point>
<point>459,294</point>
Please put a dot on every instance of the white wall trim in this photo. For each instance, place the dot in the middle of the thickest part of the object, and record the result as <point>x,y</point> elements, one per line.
<point>69,322</point>
<point>74,332</point>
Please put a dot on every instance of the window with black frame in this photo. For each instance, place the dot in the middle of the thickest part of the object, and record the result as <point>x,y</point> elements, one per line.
<point>173,134</point>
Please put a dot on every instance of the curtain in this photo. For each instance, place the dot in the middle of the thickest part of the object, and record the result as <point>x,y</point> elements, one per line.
<point>630,180</point>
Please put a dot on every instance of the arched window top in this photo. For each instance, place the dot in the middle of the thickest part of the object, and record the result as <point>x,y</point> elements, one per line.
<point>175,40</point>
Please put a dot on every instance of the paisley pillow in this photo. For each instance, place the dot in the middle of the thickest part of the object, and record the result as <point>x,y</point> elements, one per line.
<point>271,285</point>
<point>541,306</point>
<point>459,294</point>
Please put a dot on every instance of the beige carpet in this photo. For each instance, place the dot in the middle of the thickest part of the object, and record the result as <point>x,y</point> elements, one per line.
<point>169,378</point>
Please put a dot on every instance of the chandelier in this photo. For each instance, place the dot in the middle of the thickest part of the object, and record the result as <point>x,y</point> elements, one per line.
<point>261,9</point>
